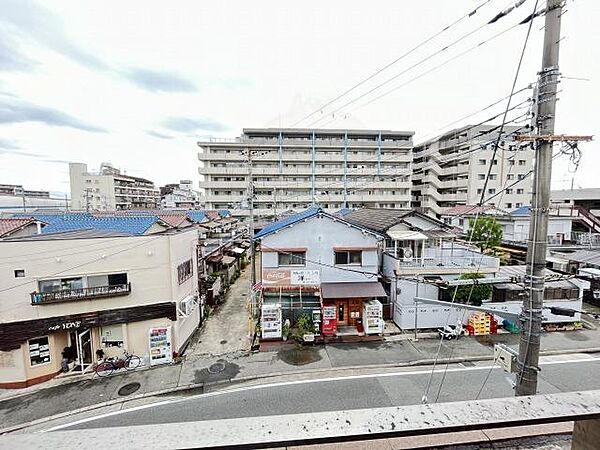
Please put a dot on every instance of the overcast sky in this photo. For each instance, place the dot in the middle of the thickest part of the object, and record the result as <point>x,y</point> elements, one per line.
<point>136,83</point>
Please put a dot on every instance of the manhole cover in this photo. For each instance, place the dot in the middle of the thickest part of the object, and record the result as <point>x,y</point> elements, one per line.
<point>216,367</point>
<point>129,389</point>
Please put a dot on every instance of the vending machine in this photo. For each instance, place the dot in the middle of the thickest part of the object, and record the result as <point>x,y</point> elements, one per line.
<point>373,317</point>
<point>271,324</point>
<point>329,320</point>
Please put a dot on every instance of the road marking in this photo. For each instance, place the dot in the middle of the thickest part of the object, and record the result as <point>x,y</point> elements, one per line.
<point>546,361</point>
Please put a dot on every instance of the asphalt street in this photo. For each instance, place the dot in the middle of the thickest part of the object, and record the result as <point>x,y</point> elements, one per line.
<point>404,387</point>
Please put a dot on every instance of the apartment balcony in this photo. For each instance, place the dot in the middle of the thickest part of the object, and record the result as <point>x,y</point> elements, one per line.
<point>444,261</point>
<point>90,293</point>
<point>444,184</point>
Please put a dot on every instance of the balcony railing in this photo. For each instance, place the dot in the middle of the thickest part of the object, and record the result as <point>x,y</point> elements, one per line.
<point>116,290</point>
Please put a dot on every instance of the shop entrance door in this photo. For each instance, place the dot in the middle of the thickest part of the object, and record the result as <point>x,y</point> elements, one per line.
<point>84,351</point>
<point>342,312</point>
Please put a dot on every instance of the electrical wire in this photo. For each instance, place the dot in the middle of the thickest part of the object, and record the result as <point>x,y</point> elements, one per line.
<point>471,13</point>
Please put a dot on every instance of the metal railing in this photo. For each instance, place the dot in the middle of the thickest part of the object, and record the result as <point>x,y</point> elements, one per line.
<point>446,257</point>
<point>40,298</point>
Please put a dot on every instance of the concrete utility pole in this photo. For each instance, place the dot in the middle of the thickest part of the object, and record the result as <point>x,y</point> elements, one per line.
<point>251,226</point>
<point>531,321</point>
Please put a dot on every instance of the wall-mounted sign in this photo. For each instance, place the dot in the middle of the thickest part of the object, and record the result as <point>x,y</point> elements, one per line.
<point>72,325</point>
<point>293,277</point>
<point>161,351</point>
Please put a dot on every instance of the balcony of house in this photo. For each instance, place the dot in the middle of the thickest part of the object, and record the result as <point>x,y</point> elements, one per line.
<point>89,287</point>
<point>418,254</point>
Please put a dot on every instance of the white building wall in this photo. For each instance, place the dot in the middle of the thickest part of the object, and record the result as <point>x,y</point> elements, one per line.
<point>320,235</point>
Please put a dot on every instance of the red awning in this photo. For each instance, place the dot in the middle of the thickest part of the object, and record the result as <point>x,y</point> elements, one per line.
<point>352,290</point>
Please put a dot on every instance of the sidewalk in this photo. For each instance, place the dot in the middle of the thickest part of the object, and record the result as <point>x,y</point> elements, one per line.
<point>209,372</point>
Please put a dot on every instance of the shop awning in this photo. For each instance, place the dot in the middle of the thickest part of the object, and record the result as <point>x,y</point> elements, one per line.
<point>236,250</point>
<point>214,258</point>
<point>228,260</point>
<point>406,235</point>
<point>352,290</point>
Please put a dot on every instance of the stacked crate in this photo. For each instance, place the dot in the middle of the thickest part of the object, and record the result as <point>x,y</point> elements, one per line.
<point>481,323</point>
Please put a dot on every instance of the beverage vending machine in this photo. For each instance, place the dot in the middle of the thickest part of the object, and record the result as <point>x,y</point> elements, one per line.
<point>373,317</point>
<point>329,320</point>
<point>271,321</point>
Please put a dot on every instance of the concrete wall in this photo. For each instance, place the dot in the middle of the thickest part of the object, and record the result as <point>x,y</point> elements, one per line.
<point>101,189</point>
<point>319,235</point>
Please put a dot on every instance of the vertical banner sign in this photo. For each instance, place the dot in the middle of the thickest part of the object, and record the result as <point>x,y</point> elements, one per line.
<point>161,351</point>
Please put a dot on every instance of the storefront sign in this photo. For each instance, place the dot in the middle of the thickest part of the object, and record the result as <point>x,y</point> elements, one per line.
<point>65,326</point>
<point>161,351</point>
<point>294,277</point>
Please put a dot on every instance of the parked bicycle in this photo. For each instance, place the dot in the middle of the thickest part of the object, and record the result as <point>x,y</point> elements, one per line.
<point>128,361</point>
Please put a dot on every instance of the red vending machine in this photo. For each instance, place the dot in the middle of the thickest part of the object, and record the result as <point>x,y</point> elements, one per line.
<point>329,320</point>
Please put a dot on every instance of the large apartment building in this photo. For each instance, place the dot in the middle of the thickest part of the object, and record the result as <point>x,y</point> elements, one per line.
<point>451,170</point>
<point>110,190</point>
<point>294,168</point>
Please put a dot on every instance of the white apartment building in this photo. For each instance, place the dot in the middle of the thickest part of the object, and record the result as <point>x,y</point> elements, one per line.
<point>295,168</point>
<point>91,290</point>
<point>181,195</point>
<point>110,190</point>
<point>451,170</point>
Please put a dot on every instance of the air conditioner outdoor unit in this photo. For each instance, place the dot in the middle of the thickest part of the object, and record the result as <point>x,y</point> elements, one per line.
<point>187,305</point>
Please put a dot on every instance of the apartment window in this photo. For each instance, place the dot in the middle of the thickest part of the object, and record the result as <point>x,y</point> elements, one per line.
<point>510,176</point>
<point>520,176</point>
<point>491,191</point>
<point>511,162</point>
<point>495,162</point>
<point>19,273</point>
<point>39,351</point>
<point>493,176</point>
<point>482,162</point>
<point>481,176</point>
<point>291,258</point>
<point>348,257</point>
<point>522,162</point>
<point>184,271</point>
<point>508,205</point>
<point>520,191</point>
<point>509,191</point>
<point>479,191</point>
<point>518,205</point>
<point>461,222</point>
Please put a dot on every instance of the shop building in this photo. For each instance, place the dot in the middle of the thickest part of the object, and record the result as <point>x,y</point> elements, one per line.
<point>77,292</point>
<point>321,265</point>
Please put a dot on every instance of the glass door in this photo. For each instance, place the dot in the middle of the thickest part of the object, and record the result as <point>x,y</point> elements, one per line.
<point>84,350</point>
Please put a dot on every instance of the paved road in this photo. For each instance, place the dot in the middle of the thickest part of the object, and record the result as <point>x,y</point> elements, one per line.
<point>402,387</point>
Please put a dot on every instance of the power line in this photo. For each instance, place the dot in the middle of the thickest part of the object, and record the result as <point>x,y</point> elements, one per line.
<point>390,64</point>
<point>495,36</point>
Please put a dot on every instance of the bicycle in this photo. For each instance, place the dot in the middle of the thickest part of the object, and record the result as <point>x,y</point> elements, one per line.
<point>128,361</point>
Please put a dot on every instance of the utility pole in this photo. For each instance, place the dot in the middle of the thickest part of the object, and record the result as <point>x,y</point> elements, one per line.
<point>251,216</point>
<point>23,198</point>
<point>531,322</point>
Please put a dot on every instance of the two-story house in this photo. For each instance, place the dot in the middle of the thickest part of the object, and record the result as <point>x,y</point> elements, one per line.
<point>90,289</point>
<point>315,260</point>
<point>420,250</point>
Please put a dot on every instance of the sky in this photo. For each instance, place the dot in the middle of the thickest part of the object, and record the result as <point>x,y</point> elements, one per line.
<point>138,83</point>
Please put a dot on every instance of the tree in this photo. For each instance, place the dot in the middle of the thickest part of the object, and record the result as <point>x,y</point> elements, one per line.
<point>472,294</point>
<point>485,233</point>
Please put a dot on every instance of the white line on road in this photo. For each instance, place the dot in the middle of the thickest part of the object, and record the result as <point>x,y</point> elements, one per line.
<point>546,361</point>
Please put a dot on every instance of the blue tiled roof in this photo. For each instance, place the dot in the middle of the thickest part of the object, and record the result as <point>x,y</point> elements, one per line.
<point>49,218</point>
<point>342,212</point>
<point>224,213</point>
<point>133,225</point>
<point>522,211</point>
<point>196,216</point>
<point>275,226</point>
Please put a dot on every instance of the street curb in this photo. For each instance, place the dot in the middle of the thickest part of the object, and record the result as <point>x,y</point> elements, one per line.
<point>233,381</point>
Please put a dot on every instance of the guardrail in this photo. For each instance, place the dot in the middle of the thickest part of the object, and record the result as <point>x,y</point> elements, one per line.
<point>318,428</point>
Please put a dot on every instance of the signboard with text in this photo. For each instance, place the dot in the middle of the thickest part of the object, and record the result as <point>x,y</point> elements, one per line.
<point>291,277</point>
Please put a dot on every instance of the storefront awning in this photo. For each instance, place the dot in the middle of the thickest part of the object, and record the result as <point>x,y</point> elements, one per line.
<point>214,258</point>
<point>352,290</point>
<point>228,260</point>
<point>236,250</point>
<point>406,235</point>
